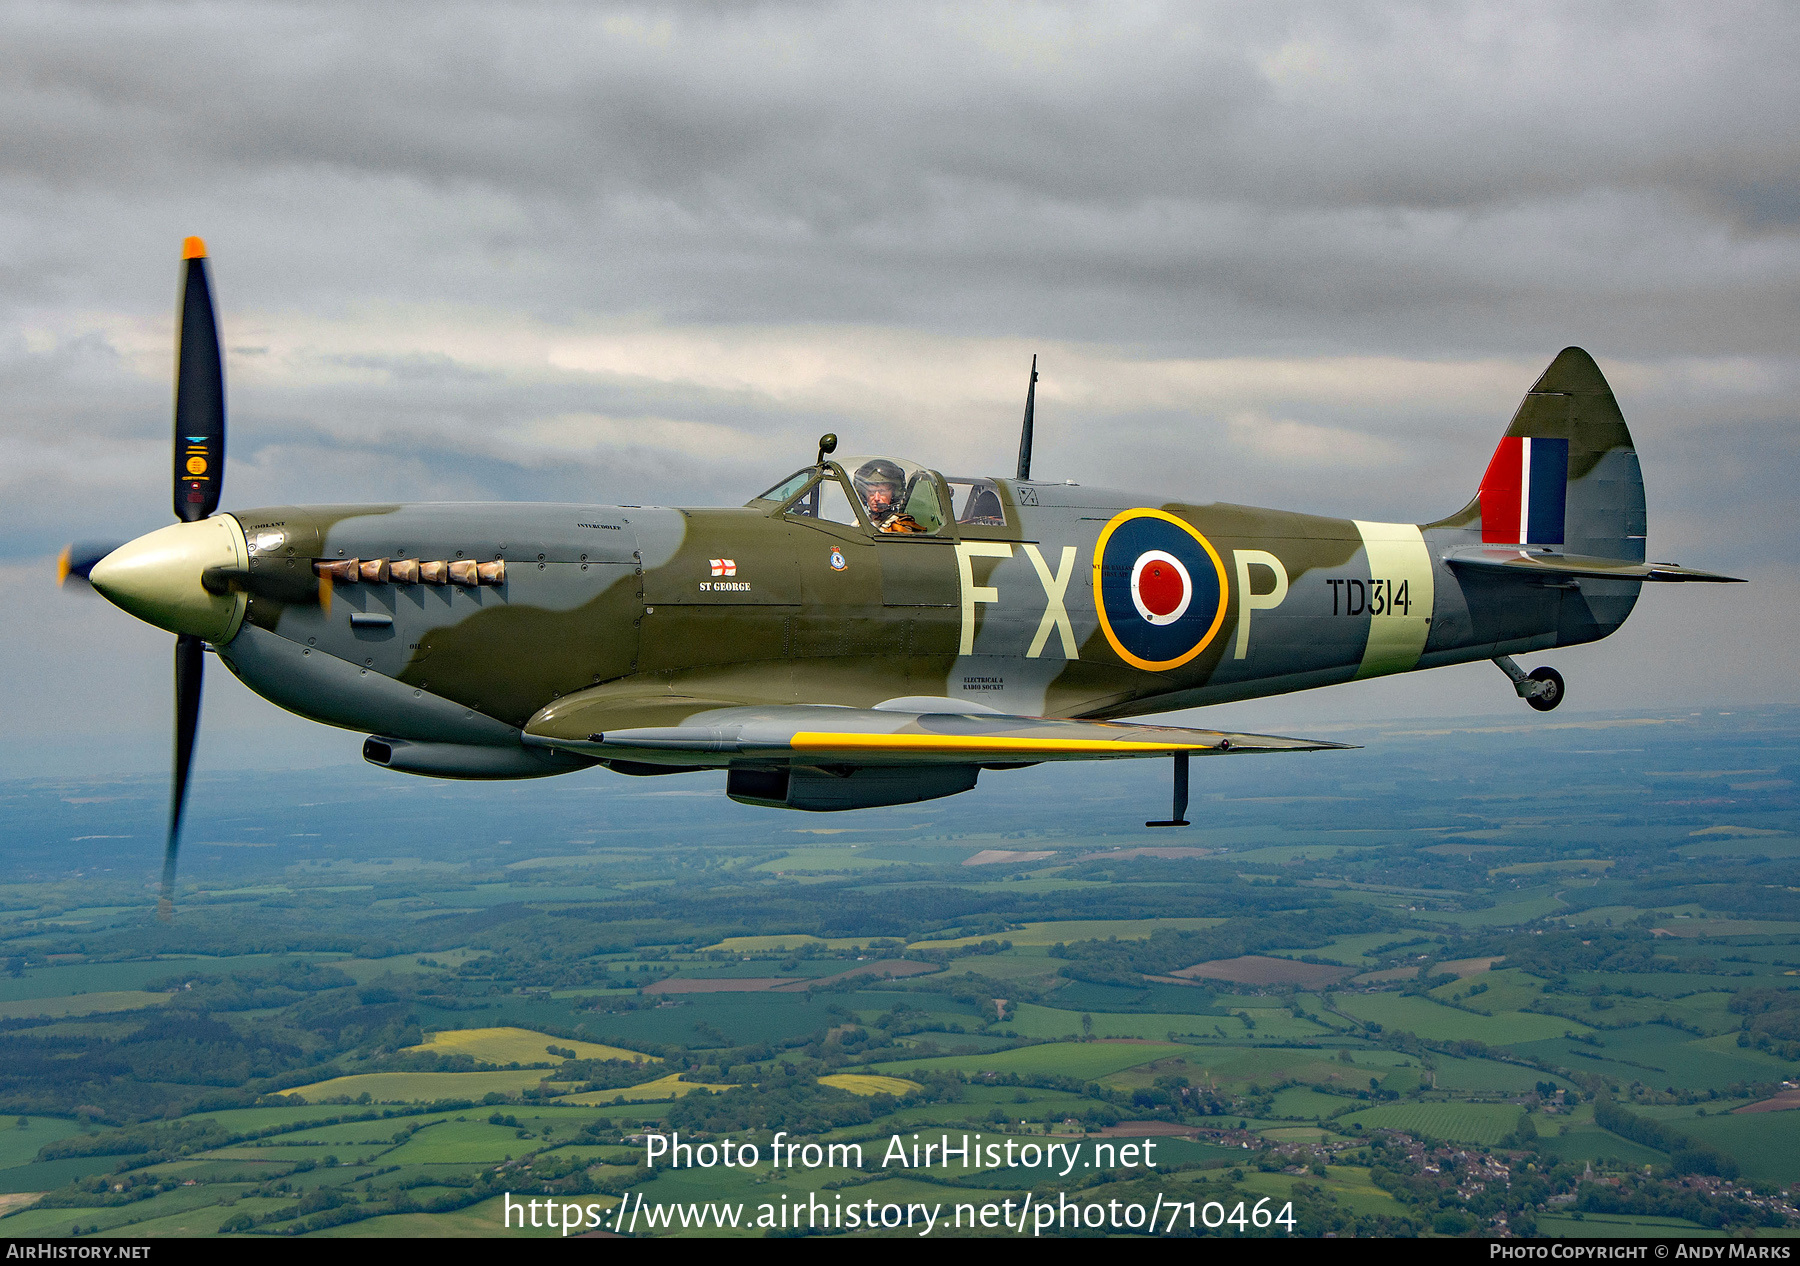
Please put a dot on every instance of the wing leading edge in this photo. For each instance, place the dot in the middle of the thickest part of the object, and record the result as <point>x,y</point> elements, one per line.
<point>819,734</point>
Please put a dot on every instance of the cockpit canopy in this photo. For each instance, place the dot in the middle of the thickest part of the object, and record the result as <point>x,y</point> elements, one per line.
<point>888,494</point>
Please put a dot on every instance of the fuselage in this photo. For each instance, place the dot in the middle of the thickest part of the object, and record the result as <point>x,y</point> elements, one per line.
<point>615,616</point>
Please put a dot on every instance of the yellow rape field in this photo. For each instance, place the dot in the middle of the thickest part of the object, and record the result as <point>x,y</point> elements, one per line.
<point>670,1087</point>
<point>869,1084</point>
<point>519,1046</point>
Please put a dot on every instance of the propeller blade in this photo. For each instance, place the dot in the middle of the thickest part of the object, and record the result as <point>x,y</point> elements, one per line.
<point>199,394</point>
<point>78,559</point>
<point>190,670</point>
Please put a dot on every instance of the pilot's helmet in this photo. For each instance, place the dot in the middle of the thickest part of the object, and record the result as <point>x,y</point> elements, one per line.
<point>880,473</point>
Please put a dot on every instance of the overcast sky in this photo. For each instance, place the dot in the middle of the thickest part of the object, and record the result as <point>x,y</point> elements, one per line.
<point>1301,256</point>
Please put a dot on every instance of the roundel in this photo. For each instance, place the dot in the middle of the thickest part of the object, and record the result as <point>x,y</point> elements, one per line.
<point>1159,588</point>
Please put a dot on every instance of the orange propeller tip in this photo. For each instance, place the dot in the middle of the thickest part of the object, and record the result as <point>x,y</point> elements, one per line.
<point>62,566</point>
<point>193,248</point>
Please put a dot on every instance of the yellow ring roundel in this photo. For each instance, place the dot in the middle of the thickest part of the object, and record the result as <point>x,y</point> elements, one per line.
<point>1159,588</point>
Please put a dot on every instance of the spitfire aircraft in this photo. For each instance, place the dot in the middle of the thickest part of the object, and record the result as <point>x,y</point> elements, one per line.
<point>867,630</point>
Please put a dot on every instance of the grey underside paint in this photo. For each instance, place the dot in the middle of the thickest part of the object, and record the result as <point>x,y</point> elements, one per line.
<point>325,688</point>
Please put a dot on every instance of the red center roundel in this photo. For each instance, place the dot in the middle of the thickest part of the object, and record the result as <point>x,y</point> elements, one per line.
<point>1161,588</point>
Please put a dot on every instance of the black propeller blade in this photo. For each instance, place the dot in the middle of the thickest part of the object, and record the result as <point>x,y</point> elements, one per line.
<point>199,473</point>
<point>199,395</point>
<point>190,674</point>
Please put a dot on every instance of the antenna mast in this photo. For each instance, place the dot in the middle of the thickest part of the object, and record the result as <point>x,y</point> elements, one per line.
<point>1025,431</point>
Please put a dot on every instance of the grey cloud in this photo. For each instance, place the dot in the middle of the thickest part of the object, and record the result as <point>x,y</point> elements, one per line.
<point>1124,186</point>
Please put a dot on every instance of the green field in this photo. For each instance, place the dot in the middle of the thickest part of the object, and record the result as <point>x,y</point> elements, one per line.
<point>1351,951</point>
<point>482,1221</point>
<point>843,857</point>
<point>91,978</point>
<point>742,1018</point>
<point>1505,990</point>
<point>421,1087</point>
<point>1404,1014</point>
<point>1077,930</point>
<point>365,970</point>
<point>172,1213</point>
<point>1608,1225</point>
<point>1732,927</point>
<point>247,1120</point>
<point>1457,1122</point>
<point>20,1144</point>
<point>1588,865</point>
<point>1279,853</point>
<point>1764,847</point>
<point>1487,1076</point>
<point>1580,1141</point>
<point>1669,984</point>
<point>48,1175</point>
<point>1081,995</point>
<point>789,941</point>
<point>375,1130</point>
<point>1765,1144</point>
<point>1239,1067</point>
<point>1350,1185</point>
<point>1276,1026</point>
<point>495,927</point>
<point>1304,1103</point>
<point>1088,1060</point>
<point>1031,1020</point>
<point>460,1142</point>
<point>1657,1055</point>
<point>82,1004</point>
<point>1520,909</point>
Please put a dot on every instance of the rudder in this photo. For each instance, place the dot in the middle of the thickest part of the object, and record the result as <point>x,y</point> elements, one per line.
<point>1566,472</point>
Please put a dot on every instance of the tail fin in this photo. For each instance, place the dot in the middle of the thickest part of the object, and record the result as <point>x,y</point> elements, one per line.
<point>1566,472</point>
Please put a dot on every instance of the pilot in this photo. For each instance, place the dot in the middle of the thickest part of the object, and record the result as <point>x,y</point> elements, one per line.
<point>880,484</point>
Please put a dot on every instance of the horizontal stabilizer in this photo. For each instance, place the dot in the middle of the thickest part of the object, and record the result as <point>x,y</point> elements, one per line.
<point>1520,562</point>
<point>815,734</point>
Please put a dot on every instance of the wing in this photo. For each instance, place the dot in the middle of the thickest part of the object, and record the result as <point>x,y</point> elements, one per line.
<point>1519,562</point>
<point>885,735</point>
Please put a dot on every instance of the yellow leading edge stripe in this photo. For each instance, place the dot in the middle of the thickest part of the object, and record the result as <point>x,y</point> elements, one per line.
<point>809,740</point>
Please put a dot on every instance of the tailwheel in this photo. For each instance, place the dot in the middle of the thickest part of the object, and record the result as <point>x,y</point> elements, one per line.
<point>1549,693</point>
